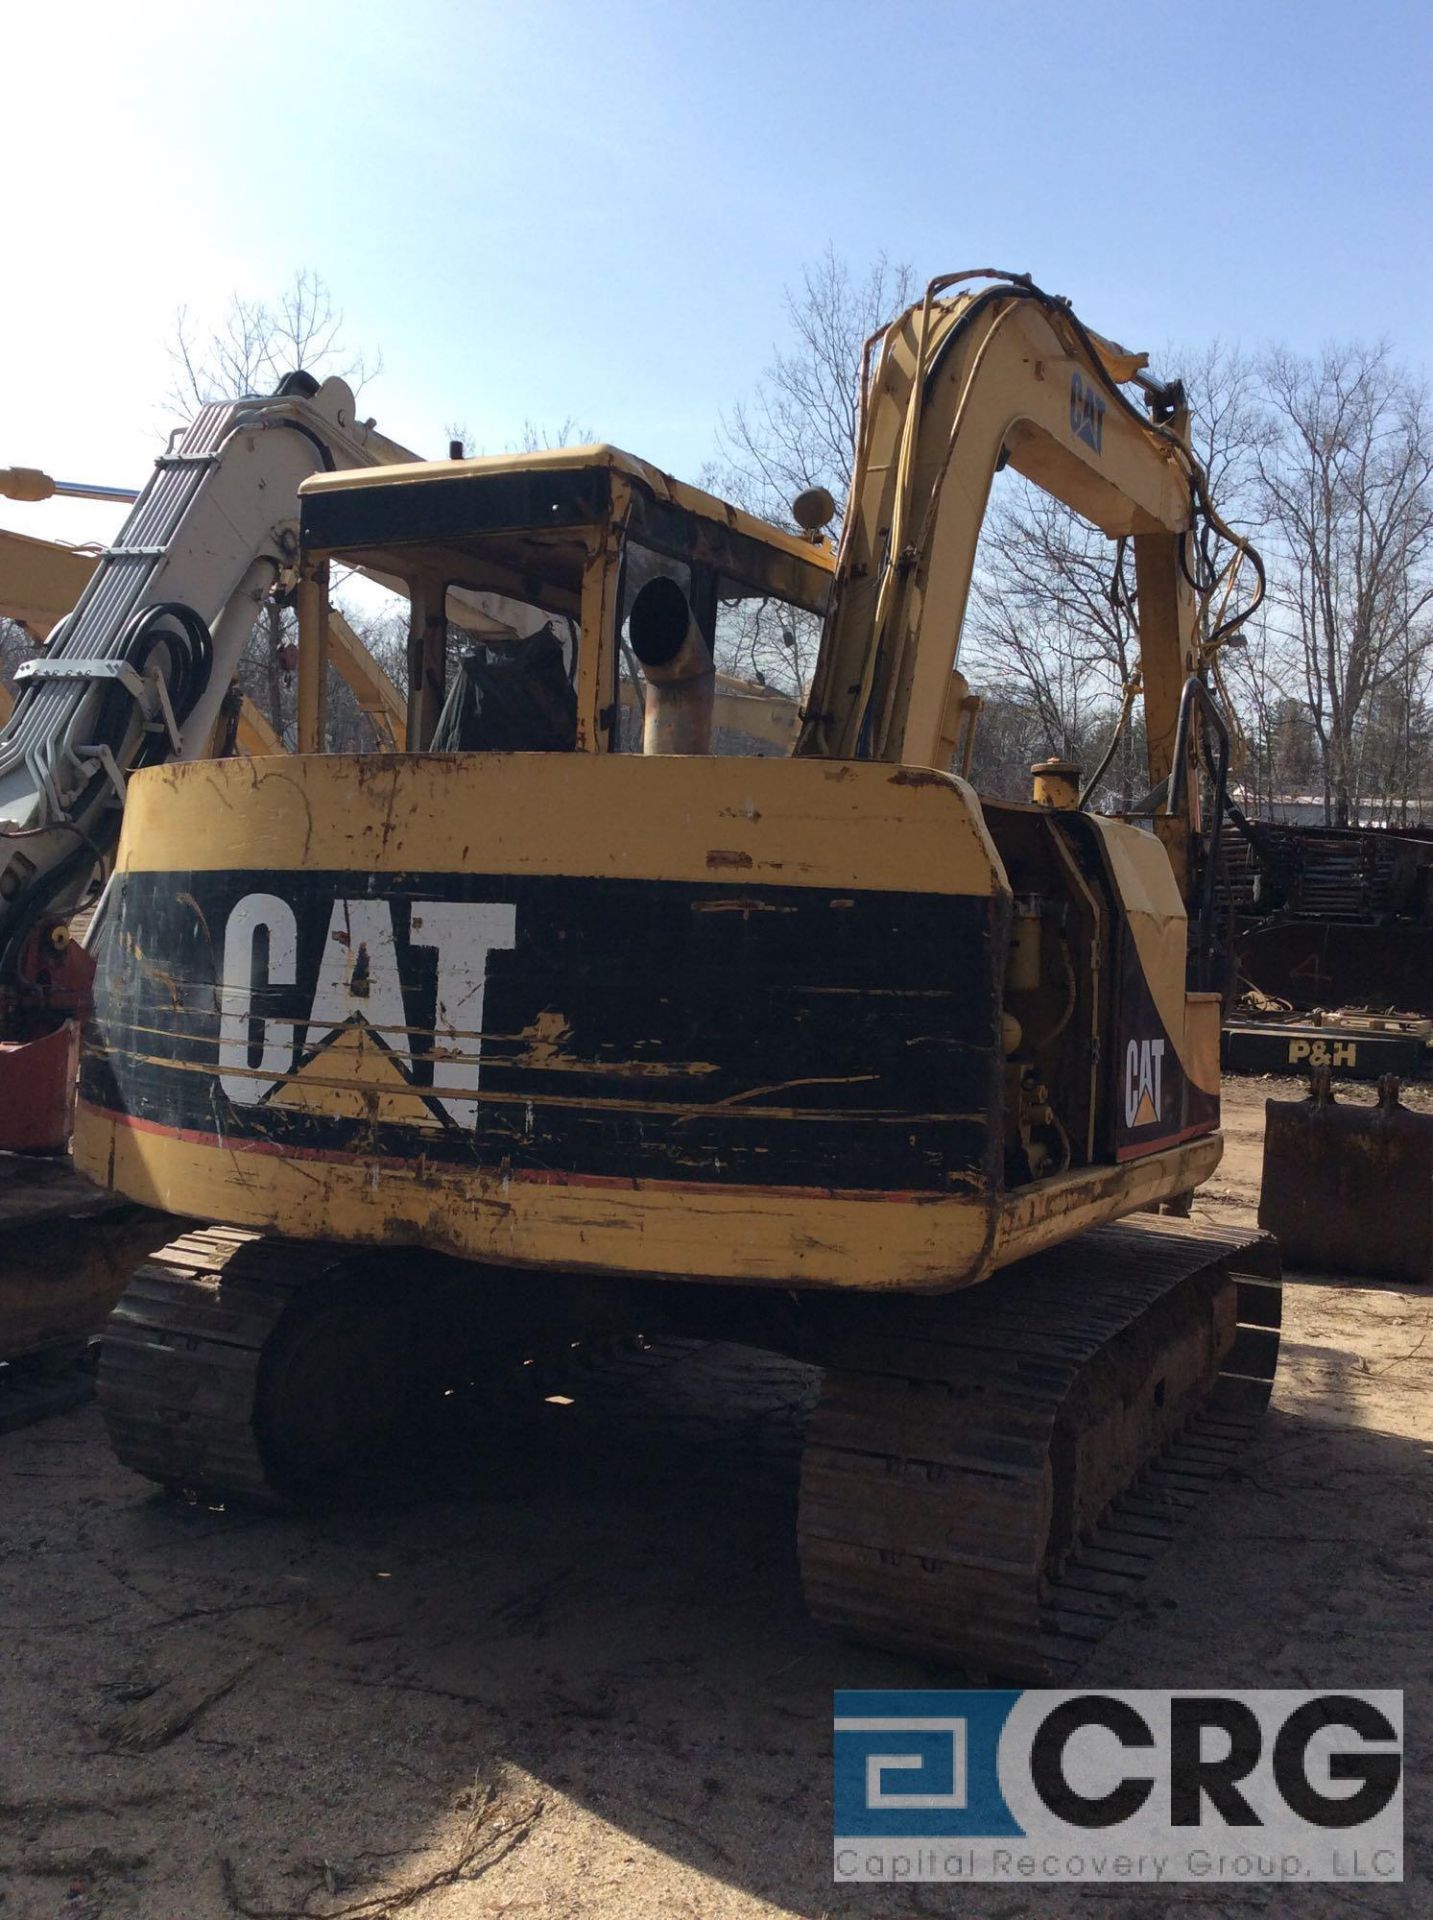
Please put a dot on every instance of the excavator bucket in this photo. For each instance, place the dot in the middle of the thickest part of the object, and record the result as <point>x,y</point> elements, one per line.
<point>1349,1189</point>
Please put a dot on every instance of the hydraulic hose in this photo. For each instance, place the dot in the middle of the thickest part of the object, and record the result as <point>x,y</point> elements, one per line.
<point>191,661</point>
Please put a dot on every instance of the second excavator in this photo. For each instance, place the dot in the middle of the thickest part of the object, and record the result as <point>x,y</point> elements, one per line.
<point>524,1033</point>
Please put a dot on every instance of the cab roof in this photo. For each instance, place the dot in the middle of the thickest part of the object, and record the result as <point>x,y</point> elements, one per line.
<point>598,457</point>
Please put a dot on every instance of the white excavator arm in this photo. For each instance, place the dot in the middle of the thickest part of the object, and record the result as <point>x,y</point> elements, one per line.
<point>137,672</point>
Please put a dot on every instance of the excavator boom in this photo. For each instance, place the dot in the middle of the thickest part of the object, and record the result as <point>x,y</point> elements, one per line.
<point>954,390</point>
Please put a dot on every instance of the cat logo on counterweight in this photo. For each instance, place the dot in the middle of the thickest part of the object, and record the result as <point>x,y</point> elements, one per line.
<point>356,1053</point>
<point>1144,1082</point>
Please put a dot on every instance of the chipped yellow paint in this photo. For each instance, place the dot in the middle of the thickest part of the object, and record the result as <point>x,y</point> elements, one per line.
<point>545,1038</point>
<point>680,1232</point>
<point>840,827</point>
<point>801,823</point>
<point>544,1045</point>
<point>1049,1211</point>
<point>314,1076</point>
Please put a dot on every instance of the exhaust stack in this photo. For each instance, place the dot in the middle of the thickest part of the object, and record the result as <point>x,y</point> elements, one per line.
<point>680,670</point>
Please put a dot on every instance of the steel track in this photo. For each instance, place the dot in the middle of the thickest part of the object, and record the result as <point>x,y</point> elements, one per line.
<point>930,1477</point>
<point>180,1361</point>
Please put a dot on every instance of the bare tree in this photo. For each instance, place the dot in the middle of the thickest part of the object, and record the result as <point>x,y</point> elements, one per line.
<point>1346,481</point>
<point>798,429</point>
<point>250,349</point>
<point>254,343</point>
<point>540,439</point>
<point>535,437</point>
<point>1053,617</point>
<point>1014,731</point>
<point>1050,613</point>
<point>1395,740</point>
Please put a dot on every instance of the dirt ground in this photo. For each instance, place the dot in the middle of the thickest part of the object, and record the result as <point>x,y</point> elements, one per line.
<point>573,1677</point>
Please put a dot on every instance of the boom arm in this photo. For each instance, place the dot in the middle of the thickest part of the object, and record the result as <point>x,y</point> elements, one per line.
<point>40,581</point>
<point>137,671</point>
<point>960,387</point>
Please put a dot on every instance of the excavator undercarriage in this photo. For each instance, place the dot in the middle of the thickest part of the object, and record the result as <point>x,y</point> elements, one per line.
<point>985,1478</point>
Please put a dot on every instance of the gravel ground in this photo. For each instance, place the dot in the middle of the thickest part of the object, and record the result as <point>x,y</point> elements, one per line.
<point>573,1676</point>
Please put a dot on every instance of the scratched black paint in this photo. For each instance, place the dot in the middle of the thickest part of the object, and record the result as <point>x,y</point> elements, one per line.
<point>686,1013</point>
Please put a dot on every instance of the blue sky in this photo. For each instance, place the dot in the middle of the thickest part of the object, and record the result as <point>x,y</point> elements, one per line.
<point>551,210</point>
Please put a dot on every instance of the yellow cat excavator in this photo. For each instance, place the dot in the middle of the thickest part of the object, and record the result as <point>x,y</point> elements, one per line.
<point>549,1026</point>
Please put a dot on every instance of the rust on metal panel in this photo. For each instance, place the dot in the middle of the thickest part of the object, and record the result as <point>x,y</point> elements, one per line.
<point>1349,1189</point>
<point>37,1084</point>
